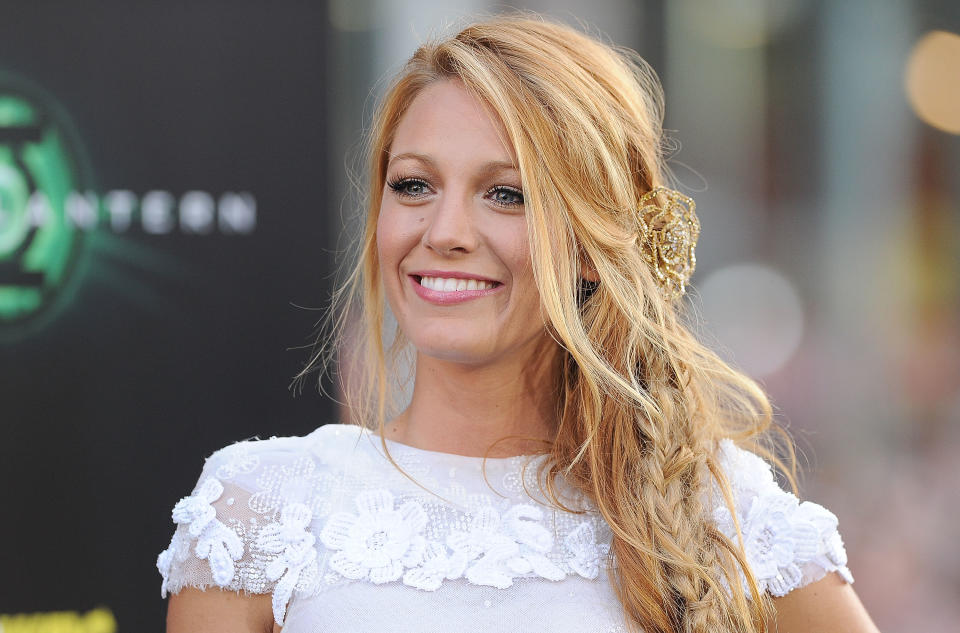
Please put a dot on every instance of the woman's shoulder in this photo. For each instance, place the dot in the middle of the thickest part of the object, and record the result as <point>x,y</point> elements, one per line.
<point>246,459</point>
<point>787,543</point>
<point>245,525</point>
<point>318,441</point>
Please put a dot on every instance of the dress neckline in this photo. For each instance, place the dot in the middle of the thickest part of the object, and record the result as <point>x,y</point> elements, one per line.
<point>397,448</point>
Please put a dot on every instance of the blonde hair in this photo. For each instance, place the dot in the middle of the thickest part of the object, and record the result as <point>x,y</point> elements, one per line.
<point>642,403</point>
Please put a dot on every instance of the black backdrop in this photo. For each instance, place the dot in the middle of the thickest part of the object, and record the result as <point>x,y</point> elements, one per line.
<point>169,346</point>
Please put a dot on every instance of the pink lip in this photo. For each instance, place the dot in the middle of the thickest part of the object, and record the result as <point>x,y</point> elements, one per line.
<point>453,296</point>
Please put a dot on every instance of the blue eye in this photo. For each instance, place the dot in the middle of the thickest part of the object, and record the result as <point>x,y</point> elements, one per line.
<point>506,196</point>
<point>409,187</point>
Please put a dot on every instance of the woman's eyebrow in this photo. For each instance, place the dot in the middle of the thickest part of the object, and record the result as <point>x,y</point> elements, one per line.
<point>489,168</point>
<point>498,166</point>
<point>423,158</point>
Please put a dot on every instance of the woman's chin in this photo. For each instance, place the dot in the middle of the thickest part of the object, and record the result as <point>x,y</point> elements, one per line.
<point>460,354</point>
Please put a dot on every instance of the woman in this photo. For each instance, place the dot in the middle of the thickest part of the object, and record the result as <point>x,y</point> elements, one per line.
<point>566,461</point>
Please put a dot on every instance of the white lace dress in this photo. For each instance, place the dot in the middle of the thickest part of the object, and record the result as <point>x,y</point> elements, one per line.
<point>344,542</point>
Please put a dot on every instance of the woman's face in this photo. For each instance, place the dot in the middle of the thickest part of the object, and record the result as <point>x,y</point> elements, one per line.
<point>452,234</point>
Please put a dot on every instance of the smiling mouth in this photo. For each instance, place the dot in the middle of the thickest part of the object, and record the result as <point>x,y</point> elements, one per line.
<point>454,284</point>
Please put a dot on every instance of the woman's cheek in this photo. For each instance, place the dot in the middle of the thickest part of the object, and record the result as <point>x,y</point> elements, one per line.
<point>387,238</point>
<point>397,230</point>
<point>518,254</point>
<point>387,253</point>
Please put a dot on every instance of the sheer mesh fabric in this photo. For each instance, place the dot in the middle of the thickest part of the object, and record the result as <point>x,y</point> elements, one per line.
<point>344,542</point>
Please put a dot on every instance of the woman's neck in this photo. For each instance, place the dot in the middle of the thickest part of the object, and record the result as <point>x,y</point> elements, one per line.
<point>465,410</point>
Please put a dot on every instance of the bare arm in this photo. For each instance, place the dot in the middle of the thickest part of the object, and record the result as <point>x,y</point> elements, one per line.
<point>825,606</point>
<point>218,611</point>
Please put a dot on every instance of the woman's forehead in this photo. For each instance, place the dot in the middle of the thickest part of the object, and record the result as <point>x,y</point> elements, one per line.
<point>447,121</point>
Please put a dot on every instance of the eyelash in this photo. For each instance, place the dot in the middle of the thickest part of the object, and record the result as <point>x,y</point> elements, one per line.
<point>398,186</point>
<point>506,189</point>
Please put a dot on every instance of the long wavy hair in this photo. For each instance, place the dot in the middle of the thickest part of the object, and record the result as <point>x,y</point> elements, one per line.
<point>642,404</point>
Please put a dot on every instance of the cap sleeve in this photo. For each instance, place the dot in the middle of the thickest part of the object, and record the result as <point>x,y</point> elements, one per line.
<point>245,526</point>
<point>787,544</point>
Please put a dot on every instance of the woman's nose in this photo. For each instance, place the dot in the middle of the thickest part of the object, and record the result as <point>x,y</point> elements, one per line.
<point>451,228</point>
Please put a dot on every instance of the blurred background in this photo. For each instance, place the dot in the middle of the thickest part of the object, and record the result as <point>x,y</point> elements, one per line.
<point>174,196</point>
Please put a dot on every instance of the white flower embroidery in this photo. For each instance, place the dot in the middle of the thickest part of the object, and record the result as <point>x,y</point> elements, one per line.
<point>293,545</point>
<point>273,546</point>
<point>165,563</point>
<point>781,536</point>
<point>769,543</point>
<point>216,543</point>
<point>220,546</point>
<point>503,548</point>
<point>296,482</point>
<point>378,542</point>
<point>437,566</point>
<point>415,467</point>
<point>586,554</point>
<point>820,543</point>
<point>521,478</point>
<point>197,511</point>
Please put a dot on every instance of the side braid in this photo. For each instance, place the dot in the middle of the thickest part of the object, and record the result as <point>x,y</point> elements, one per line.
<point>678,555</point>
<point>670,487</point>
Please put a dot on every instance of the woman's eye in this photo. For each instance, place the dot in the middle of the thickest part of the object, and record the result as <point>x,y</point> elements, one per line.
<point>409,187</point>
<point>506,196</point>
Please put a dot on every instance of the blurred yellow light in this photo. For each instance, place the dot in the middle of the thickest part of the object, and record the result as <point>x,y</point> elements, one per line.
<point>933,80</point>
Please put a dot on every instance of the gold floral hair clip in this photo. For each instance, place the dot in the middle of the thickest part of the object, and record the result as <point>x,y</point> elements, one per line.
<point>669,229</point>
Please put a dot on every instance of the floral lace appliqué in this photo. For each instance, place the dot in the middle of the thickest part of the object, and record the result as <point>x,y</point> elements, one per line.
<point>296,482</point>
<point>501,548</point>
<point>378,542</point>
<point>263,533</point>
<point>295,562</point>
<point>586,554</point>
<point>382,543</point>
<point>782,538</point>
<point>216,543</point>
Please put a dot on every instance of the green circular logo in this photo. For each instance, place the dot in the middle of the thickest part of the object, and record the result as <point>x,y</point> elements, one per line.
<point>40,177</point>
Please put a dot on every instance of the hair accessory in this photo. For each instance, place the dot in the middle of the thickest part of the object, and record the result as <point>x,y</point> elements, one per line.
<point>669,229</point>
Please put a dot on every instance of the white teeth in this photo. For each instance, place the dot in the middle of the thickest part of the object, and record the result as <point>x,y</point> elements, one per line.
<point>454,284</point>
